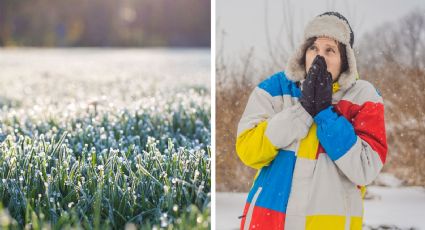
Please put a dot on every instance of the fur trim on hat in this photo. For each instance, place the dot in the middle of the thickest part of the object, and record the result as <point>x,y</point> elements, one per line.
<point>326,26</point>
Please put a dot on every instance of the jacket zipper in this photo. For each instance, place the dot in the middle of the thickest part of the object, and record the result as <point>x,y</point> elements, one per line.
<point>348,217</point>
<point>251,209</point>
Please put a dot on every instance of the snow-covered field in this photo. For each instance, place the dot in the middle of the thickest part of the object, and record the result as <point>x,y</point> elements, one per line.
<point>389,207</point>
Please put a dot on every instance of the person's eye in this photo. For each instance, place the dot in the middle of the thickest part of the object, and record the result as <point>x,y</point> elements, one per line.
<point>313,47</point>
<point>330,50</point>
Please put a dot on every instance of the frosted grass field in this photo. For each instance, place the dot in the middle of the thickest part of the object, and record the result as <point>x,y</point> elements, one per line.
<point>98,139</point>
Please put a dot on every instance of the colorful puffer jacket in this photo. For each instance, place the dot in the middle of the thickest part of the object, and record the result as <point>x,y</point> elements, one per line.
<point>311,172</point>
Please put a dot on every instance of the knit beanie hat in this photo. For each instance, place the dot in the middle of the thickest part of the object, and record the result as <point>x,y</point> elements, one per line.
<point>332,25</point>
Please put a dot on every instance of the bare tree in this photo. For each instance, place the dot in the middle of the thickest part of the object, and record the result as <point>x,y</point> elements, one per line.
<point>401,43</point>
<point>413,30</point>
<point>284,43</point>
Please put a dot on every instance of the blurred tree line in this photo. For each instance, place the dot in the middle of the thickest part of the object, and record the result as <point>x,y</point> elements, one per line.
<point>105,23</point>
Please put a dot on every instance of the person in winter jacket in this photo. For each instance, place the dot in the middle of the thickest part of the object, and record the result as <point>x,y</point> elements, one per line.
<point>316,134</point>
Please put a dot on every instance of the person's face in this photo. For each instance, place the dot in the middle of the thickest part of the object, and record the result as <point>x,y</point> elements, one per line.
<point>328,48</point>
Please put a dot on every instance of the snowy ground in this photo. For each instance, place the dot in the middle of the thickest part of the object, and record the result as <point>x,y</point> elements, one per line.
<point>403,207</point>
<point>389,207</point>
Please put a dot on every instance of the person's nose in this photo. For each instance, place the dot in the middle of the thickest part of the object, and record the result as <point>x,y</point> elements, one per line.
<point>322,53</point>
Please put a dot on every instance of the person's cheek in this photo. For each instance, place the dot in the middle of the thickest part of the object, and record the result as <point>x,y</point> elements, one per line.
<point>309,60</point>
<point>333,68</point>
<point>307,64</point>
<point>329,65</point>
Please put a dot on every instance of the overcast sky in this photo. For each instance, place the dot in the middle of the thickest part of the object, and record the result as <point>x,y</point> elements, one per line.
<point>243,21</point>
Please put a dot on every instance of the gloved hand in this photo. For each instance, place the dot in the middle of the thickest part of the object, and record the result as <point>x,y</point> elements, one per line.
<point>317,87</point>
<point>308,88</point>
<point>323,86</point>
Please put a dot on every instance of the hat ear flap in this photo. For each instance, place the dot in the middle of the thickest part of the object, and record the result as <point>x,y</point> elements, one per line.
<point>349,77</point>
<point>294,70</point>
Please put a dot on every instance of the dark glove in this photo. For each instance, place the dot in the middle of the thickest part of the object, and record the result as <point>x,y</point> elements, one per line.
<point>323,87</point>
<point>307,92</point>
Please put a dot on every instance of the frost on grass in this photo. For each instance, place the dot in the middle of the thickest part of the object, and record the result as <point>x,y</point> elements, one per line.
<point>109,152</point>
